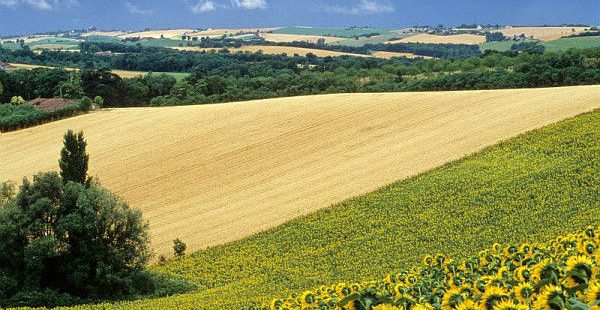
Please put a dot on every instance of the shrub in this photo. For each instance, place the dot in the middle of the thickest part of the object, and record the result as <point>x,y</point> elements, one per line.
<point>85,104</point>
<point>179,247</point>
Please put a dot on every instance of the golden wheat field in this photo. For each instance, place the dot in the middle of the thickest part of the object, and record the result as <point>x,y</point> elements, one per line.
<point>449,39</point>
<point>215,173</point>
<point>280,37</point>
<point>167,33</point>
<point>542,33</point>
<point>227,31</point>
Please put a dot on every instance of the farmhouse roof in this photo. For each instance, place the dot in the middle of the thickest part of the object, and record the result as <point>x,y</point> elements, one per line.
<point>51,104</point>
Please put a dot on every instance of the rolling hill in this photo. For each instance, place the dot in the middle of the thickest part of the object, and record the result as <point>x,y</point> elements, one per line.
<point>217,173</point>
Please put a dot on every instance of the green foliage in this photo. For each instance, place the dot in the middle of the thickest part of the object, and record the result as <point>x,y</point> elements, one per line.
<point>529,189</point>
<point>7,192</point>
<point>69,238</point>
<point>17,117</point>
<point>85,104</point>
<point>73,161</point>
<point>98,102</point>
<point>17,100</point>
<point>179,247</point>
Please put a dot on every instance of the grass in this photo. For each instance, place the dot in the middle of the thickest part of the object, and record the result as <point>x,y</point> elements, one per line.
<point>567,43</point>
<point>330,32</point>
<point>528,189</point>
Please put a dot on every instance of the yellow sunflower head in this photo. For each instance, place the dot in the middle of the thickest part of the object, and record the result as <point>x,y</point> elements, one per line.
<point>580,270</point>
<point>342,289</point>
<point>544,271</point>
<point>427,260</point>
<point>452,298</point>
<point>492,296</point>
<point>386,307</point>
<point>275,304</point>
<point>503,272</point>
<point>468,305</point>
<point>509,305</point>
<point>308,299</point>
<point>592,294</point>
<point>400,289</point>
<point>523,274</point>
<point>355,287</point>
<point>550,298</point>
<point>524,291</point>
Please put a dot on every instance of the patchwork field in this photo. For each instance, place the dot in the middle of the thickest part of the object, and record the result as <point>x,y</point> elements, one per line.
<point>168,33</point>
<point>542,33</point>
<point>449,39</point>
<point>290,51</point>
<point>532,188</point>
<point>217,173</point>
<point>281,37</point>
<point>122,73</point>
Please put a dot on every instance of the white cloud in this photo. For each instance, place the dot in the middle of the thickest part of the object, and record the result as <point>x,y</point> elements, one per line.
<point>204,6</point>
<point>43,5</point>
<point>134,9</point>
<point>364,7</point>
<point>249,4</point>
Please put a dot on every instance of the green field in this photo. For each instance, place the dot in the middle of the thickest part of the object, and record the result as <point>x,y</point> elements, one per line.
<point>529,189</point>
<point>576,42</point>
<point>330,32</point>
<point>369,40</point>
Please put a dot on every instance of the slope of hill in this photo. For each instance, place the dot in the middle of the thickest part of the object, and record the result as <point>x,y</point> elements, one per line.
<point>531,189</point>
<point>217,173</point>
<point>449,39</point>
<point>542,33</point>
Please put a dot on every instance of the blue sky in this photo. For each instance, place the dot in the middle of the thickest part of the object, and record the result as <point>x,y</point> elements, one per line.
<point>29,16</point>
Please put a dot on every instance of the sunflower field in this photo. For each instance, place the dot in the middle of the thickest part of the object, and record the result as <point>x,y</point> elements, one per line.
<point>562,274</point>
<point>529,189</point>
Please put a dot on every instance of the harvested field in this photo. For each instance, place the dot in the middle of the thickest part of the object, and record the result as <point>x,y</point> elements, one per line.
<point>103,33</point>
<point>450,39</point>
<point>542,33</point>
<point>227,31</point>
<point>389,55</point>
<point>280,37</point>
<point>290,51</point>
<point>216,173</point>
<point>170,33</point>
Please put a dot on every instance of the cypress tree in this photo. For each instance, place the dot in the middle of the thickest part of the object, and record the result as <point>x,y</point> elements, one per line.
<point>73,158</point>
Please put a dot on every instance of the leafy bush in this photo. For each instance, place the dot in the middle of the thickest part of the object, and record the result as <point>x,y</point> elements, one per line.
<point>16,117</point>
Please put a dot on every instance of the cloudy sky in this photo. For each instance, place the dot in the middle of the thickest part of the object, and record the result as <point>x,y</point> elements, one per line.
<point>30,16</point>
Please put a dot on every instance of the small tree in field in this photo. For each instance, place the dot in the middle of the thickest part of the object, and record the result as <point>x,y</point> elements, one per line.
<point>179,247</point>
<point>99,102</point>
<point>73,161</point>
<point>17,100</point>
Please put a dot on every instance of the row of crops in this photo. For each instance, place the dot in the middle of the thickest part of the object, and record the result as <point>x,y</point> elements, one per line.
<point>529,189</point>
<point>563,274</point>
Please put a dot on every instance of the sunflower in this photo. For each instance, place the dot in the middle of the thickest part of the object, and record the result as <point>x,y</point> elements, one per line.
<point>523,291</point>
<point>525,248</point>
<point>544,270</point>
<point>550,298</point>
<point>492,296</point>
<point>593,293</point>
<point>523,274</point>
<point>308,299</point>
<point>580,270</point>
<point>386,307</point>
<point>399,289</point>
<point>468,305</point>
<point>509,305</point>
<point>355,287</point>
<point>427,260</point>
<point>275,304</point>
<point>503,272</point>
<point>496,247</point>
<point>586,247</point>
<point>452,298</point>
<point>342,290</point>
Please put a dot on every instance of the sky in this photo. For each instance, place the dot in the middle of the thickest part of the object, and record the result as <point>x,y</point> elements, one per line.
<point>32,16</point>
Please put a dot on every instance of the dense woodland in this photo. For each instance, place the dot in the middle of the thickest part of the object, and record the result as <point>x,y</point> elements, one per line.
<point>221,77</point>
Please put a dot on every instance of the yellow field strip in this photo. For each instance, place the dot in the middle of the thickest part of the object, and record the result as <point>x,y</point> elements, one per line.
<point>212,174</point>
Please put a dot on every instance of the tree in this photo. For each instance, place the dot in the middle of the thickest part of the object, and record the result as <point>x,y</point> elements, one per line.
<point>70,238</point>
<point>1,92</point>
<point>98,102</point>
<point>85,104</point>
<point>179,247</point>
<point>73,161</point>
